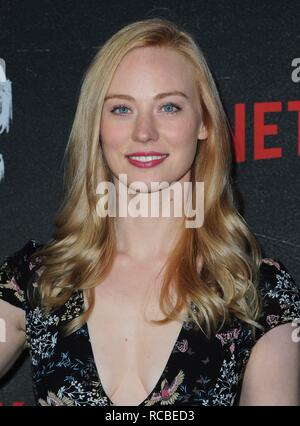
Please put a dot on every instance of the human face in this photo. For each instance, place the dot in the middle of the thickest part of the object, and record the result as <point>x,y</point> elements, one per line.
<point>140,119</point>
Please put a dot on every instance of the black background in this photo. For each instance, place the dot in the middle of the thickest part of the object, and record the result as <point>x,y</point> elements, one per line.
<point>47,46</point>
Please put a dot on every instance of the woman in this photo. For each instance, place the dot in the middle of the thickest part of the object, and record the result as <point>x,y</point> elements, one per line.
<point>145,310</point>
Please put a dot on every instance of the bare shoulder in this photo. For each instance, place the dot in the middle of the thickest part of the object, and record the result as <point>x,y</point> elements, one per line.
<point>12,335</point>
<point>272,372</point>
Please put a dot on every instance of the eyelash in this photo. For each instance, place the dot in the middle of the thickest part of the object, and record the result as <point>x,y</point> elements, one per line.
<point>169,103</point>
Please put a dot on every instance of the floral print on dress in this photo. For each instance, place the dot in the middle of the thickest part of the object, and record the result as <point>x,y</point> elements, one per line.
<point>52,399</point>
<point>167,394</point>
<point>229,338</point>
<point>43,340</point>
<point>273,320</point>
<point>11,284</point>
<point>199,371</point>
<point>182,346</point>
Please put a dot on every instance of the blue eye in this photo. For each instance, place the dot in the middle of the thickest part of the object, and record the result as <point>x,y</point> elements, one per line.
<point>168,106</point>
<point>123,109</point>
<point>120,107</point>
<point>171,106</point>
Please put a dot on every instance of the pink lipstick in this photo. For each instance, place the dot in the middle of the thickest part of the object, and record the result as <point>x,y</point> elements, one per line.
<point>146,159</point>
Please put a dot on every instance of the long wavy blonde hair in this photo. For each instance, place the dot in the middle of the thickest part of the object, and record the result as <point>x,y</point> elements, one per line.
<point>81,253</point>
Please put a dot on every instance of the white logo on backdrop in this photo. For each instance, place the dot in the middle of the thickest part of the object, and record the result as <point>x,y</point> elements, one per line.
<point>5,107</point>
<point>296,72</point>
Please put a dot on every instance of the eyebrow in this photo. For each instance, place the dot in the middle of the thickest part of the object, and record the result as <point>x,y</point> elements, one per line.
<point>158,96</point>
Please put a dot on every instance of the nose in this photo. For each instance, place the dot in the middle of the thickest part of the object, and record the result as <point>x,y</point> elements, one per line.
<point>144,128</point>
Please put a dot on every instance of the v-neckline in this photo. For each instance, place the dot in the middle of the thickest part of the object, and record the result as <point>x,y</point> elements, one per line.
<point>92,357</point>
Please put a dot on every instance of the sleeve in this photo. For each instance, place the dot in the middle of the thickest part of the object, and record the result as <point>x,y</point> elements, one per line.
<point>15,272</point>
<point>280,295</point>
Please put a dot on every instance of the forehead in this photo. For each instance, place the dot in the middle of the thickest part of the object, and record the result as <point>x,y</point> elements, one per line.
<point>153,67</point>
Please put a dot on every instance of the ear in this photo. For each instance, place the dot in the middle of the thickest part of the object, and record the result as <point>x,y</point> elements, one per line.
<point>202,134</point>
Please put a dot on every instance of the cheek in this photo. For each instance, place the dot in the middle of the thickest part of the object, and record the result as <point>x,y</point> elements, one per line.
<point>186,125</point>
<point>184,144</point>
<point>110,144</point>
<point>188,151</point>
<point>184,137</point>
<point>111,150</point>
<point>112,138</point>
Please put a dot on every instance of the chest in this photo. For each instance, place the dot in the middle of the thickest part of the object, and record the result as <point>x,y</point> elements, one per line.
<point>189,369</point>
<point>130,352</point>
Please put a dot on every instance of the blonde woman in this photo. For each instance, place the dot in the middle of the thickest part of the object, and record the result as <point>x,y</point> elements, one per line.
<point>145,310</point>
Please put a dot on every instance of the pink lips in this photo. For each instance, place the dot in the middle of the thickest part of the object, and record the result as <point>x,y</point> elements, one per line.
<point>143,153</point>
<point>146,164</point>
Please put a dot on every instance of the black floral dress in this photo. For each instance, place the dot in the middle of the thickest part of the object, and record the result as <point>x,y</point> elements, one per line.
<point>199,371</point>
